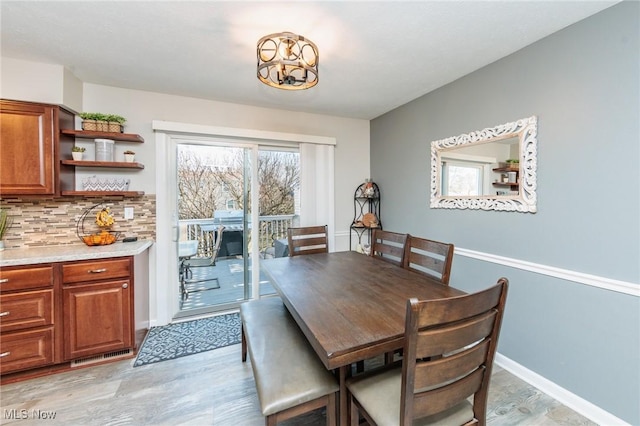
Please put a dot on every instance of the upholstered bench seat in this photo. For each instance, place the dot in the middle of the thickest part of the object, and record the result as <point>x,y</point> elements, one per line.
<point>290,378</point>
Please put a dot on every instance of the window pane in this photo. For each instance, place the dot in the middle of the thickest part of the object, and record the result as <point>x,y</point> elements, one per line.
<point>463,180</point>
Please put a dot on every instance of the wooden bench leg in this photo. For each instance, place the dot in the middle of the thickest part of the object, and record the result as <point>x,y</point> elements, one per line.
<point>244,344</point>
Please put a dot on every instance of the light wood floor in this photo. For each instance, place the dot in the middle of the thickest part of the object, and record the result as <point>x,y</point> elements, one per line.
<point>211,388</point>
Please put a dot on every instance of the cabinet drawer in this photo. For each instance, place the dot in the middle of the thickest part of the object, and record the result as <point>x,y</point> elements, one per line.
<point>21,350</point>
<point>26,278</point>
<point>96,270</point>
<point>28,309</point>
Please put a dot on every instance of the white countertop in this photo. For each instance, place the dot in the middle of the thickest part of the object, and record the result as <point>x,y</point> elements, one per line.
<point>70,252</point>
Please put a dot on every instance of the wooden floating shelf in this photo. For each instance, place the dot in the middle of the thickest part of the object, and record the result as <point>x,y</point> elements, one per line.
<point>122,137</point>
<point>505,183</point>
<point>103,193</point>
<point>112,164</point>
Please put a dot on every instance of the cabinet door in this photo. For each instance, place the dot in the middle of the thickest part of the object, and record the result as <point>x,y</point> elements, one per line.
<point>27,148</point>
<point>97,318</point>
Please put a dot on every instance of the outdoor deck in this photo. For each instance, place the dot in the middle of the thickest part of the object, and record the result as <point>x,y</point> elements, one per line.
<point>224,284</point>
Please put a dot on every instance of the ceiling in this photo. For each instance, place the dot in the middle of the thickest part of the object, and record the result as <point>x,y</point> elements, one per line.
<point>374,56</point>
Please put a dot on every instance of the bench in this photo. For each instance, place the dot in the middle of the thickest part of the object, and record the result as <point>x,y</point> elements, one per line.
<point>290,378</point>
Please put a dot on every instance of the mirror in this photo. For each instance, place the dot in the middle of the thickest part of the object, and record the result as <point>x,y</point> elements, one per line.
<point>490,169</point>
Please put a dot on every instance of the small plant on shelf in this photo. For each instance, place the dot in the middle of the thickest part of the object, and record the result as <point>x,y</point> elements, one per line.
<point>97,121</point>
<point>129,156</point>
<point>513,163</point>
<point>77,152</point>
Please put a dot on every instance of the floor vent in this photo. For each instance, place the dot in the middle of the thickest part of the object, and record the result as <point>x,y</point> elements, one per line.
<point>99,358</point>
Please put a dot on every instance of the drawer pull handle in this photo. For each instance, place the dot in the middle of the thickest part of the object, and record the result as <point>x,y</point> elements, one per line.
<point>125,285</point>
<point>4,314</point>
<point>97,271</point>
<point>3,354</point>
<point>4,280</point>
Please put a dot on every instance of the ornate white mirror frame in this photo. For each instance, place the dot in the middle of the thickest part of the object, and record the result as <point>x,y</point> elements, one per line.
<point>525,130</point>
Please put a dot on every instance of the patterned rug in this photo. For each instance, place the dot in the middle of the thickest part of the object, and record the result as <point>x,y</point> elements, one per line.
<point>188,338</point>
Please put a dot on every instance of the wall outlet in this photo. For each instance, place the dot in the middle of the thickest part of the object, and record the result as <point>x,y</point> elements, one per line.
<point>128,212</point>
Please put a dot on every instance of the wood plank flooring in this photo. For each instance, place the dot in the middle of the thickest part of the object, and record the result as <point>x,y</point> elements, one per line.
<point>211,388</point>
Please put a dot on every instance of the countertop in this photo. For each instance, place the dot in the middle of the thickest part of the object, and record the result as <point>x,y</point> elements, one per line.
<point>70,252</point>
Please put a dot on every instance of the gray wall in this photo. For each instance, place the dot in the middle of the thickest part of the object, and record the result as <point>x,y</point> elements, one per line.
<point>582,83</point>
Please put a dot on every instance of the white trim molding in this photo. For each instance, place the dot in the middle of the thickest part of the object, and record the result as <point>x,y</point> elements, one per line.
<point>632,289</point>
<point>560,394</point>
<point>233,132</point>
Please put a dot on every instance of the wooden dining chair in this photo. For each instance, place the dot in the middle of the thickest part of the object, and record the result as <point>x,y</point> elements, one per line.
<point>428,257</point>
<point>307,240</point>
<point>448,356</point>
<point>388,246</point>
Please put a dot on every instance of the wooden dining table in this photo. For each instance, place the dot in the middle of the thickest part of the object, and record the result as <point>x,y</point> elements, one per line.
<point>351,307</point>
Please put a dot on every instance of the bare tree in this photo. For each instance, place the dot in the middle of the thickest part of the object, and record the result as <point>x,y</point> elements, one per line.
<point>204,188</point>
<point>196,188</point>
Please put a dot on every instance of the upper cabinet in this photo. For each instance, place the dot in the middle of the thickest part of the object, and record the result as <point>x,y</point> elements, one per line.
<point>35,150</point>
<point>30,141</point>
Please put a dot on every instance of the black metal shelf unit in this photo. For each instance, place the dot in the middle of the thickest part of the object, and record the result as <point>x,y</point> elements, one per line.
<point>366,212</point>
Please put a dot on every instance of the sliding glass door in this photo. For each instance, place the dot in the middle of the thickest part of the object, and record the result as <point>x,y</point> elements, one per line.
<point>218,244</point>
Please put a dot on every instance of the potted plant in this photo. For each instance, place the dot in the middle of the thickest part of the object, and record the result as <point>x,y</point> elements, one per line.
<point>97,121</point>
<point>90,120</point>
<point>513,163</point>
<point>77,152</point>
<point>129,156</point>
<point>5,223</point>
<point>116,122</point>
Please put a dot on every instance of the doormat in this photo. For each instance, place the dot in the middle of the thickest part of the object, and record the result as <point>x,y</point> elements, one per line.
<point>188,338</point>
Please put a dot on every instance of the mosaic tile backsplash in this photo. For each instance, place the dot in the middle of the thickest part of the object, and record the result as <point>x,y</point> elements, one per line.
<point>52,221</point>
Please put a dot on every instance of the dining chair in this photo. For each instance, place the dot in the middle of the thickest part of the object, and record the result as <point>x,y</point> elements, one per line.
<point>428,257</point>
<point>307,240</point>
<point>388,246</point>
<point>449,348</point>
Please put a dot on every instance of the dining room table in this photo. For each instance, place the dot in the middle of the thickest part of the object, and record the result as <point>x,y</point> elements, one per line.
<point>351,307</point>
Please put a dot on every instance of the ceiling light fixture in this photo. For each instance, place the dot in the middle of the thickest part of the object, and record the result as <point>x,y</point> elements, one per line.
<point>287,61</point>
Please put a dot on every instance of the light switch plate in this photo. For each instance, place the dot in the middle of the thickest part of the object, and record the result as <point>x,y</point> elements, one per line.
<point>128,212</point>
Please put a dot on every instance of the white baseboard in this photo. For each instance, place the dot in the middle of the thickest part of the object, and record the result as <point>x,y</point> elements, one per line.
<point>577,404</point>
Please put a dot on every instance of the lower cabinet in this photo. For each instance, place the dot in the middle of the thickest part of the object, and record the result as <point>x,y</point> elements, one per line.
<point>27,320</point>
<point>97,302</point>
<point>55,313</point>
<point>97,318</point>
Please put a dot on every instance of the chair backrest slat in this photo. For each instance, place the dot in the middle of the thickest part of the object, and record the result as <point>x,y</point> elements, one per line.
<point>429,257</point>
<point>389,246</point>
<point>307,240</point>
<point>448,353</point>
<point>441,399</point>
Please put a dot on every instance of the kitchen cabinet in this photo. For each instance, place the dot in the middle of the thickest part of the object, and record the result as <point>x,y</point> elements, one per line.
<point>116,137</point>
<point>27,318</point>
<point>61,307</point>
<point>30,142</point>
<point>97,303</point>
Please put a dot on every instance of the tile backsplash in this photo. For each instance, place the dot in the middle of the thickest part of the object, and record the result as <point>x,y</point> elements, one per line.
<point>54,221</point>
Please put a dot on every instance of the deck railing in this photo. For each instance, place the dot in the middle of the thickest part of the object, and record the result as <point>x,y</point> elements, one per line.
<point>271,228</point>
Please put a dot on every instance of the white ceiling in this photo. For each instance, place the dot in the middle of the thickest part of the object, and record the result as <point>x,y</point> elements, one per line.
<point>374,56</point>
